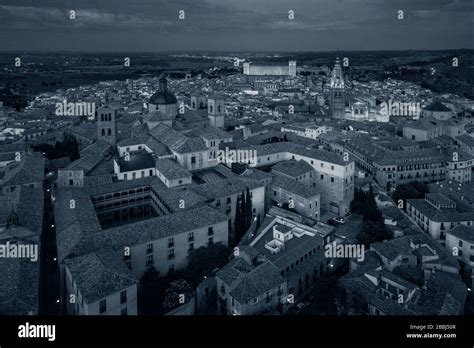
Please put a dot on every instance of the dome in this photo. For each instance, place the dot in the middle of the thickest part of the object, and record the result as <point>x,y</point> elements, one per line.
<point>163,96</point>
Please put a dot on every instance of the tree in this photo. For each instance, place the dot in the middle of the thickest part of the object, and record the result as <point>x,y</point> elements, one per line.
<point>411,190</point>
<point>204,260</point>
<point>150,275</point>
<point>244,211</point>
<point>239,219</point>
<point>179,292</point>
<point>373,226</point>
<point>370,212</point>
<point>151,292</point>
<point>373,231</point>
<point>243,215</point>
<point>248,208</point>
<point>357,203</point>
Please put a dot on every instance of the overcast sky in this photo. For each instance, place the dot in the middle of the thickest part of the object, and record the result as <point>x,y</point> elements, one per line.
<point>238,25</point>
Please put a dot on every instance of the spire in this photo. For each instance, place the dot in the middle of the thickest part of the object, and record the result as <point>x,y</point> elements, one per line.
<point>337,80</point>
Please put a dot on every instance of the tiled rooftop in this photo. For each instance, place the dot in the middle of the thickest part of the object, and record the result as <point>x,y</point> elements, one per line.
<point>292,168</point>
<point>100,274</point>
<point>294,186</point>
<point>172,170</point>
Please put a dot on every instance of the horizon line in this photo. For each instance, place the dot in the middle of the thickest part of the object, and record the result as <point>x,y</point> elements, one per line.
<point>233,51</point>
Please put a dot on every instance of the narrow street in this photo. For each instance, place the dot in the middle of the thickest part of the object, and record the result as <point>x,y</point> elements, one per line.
<point>49,270</point>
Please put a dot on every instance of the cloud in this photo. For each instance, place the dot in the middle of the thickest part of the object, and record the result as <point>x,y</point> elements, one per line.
<point>241,23</point>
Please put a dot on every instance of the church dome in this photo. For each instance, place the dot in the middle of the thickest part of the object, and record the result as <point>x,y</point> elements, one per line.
<point>163,96</point>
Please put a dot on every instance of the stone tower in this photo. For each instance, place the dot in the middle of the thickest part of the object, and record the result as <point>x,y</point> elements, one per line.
<point>292,68</point>
<point>198,101</point>
<point>216,110</point>
<point>106,124</point>
<point>337,90</point>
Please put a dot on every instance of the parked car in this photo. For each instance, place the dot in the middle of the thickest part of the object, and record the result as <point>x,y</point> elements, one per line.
<point>301,305</point>
<point>335,221</point>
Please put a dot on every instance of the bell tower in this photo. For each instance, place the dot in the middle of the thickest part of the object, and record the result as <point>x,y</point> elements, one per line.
<point>106,124</point>
<point>216,110</point>
<point>337,90</point>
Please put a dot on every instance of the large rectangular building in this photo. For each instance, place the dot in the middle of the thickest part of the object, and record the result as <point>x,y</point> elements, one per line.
<point>270,70</point>
<point>163,242</point>
<point>333,179</point>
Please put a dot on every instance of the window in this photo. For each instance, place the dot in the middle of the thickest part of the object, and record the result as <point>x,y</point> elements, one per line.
<point>255,300</point>
<point>190,247</point>
<point>211,240</point>
<point>123,311</point>
<point>170,242</point>
<point>332,179</point>
<point>268,298</point>
<point>151,172</point>
<point>460,243</point>
<point>149,248</point>
<point>229,200</point>
<point>322,177</point>
<point>123,297</point>
<point>193,160</point>
<point>103,306</point>
<point>149,260</point>
<point>210,231</point>
<point>170,254</point>
<point>190,236</point>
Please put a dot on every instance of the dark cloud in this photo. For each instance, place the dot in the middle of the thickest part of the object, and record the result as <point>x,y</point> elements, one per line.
<point>153,25</point>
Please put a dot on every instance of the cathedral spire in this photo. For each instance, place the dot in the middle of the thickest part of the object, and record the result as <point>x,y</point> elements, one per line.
<point>337,80</point>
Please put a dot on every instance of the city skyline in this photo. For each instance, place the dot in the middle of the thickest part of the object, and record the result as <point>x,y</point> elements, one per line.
<point>311,160</point>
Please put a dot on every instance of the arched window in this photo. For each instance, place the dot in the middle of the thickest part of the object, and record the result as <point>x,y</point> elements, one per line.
<point>211,109</point>
<point>219,109</point>
<point>103,132</point>
<point>109,132</point>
